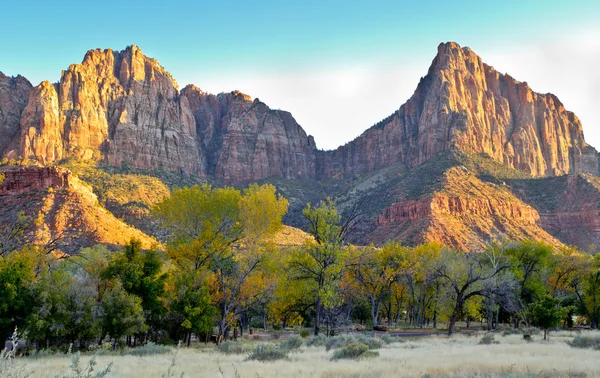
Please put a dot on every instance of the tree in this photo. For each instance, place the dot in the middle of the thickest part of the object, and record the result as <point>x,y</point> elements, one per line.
<point>122,314</point>
<point>546,313</point>
<point>17,288</point>
<point>586,285</point>
<point>530,262</point>
<point>375,271</point>
<point>321,265</point>
<point>65,306</point>
<point>140,274</point>
<point>190,308</point>
<point>225,232</point>
<point>466,275</point>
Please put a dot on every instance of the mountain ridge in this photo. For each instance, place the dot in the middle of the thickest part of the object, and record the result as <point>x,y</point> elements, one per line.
<point>123,110</point>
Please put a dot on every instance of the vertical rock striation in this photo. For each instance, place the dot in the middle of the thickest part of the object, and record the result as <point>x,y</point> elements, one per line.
<point>463,103</point>
<point>14,94</point>
<point>122,106</point>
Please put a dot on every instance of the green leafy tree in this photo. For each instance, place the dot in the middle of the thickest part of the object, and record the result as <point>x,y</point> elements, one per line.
<point>322,265</point>
<point>140,274</point>
<point>17,288</point>
<point>65,306</point>
<point>546,313</point>
<point>122,314</point>
<point>190,307</point>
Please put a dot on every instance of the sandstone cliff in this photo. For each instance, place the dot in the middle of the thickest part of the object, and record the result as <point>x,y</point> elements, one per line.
<point>463,103</point>
<point>14,94</point>
<point>244,140</point>
<point>122,106</point>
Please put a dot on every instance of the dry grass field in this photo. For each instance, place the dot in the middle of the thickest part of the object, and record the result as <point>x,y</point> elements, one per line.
<point>434,356</point>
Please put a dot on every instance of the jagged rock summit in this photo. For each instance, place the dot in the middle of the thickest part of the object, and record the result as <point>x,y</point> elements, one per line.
<point>122,107</point>
<point>465,104</point>
<point>454,164</point>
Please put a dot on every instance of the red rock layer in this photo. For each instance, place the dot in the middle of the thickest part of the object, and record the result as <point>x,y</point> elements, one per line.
<point>464,212</point>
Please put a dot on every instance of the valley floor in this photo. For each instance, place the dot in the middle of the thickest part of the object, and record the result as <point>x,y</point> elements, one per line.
<point>432,356</point>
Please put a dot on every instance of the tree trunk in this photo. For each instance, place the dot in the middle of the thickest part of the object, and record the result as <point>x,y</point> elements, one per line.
<point>497,315</point>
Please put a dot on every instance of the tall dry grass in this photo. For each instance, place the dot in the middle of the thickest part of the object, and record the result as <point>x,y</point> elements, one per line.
<point>458,356</point>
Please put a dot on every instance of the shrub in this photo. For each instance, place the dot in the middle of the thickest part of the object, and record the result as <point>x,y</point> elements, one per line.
<point>147,350</point>
<point>292,343</point>
<point>371,342</point>
<point>89,371</point>
<point>234,347</point>
<point>532,331</point>
<point>387,339</point>
<point>588,342</point>
<point>267,352</point>
<point>488,339</point>
<point>317,341</point>
<point>304,333</point>
<point>354,351</point>
<point>276,336</point>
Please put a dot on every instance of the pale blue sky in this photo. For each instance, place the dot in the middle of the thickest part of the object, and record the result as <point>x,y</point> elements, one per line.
<point>338,66</point>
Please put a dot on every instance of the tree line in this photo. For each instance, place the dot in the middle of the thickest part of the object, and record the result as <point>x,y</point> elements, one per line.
<point>221,273</point>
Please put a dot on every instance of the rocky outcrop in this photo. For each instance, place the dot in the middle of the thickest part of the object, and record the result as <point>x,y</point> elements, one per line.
<point>465,104</point>
<point>120,106</point>
<point>61,211</point>
<point>244,140</point>
<point>18,181</point>
<point>464,212</point>
<point>575,218</point>
<point>14,94</point>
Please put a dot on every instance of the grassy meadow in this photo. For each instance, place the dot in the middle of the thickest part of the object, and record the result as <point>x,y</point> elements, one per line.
<point>433,356</point>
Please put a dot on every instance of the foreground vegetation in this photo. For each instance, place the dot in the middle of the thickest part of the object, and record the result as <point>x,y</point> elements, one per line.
<point>221,276</point>
<point>437,356</point>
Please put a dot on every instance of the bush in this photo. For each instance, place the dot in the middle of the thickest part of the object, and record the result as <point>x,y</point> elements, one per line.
<point>587,342</point>
<point>347,339</point>
<point>354,351</point>
<point>268,352</point>
<point>371,342</point>
<point>293,343</point>
<point>488,339</point>
<point>304,333</point>
<point>147,350</point>
<point>234,347</point>
<point>521,331</point>
<point>276,336</point>
<point>317,341</point>
<point>387,339</point>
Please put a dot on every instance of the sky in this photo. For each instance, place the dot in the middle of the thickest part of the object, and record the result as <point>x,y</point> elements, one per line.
<point>338,66</point>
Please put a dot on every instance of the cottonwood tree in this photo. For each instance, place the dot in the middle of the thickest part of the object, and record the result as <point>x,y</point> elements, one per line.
<point>586,285</point>
<point>466,275</point>
<point>225,232</point>
<point>530,262</point>
<point>321,265</point>
<point>375,271</point>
